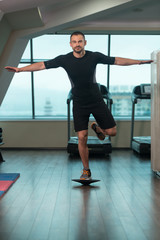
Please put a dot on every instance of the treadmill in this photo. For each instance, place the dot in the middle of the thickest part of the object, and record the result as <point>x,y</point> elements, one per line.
<point>95,145</point>
<point>140,144</point>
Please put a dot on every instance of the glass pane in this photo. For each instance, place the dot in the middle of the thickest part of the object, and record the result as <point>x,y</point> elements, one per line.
<point>51,86</point>
<point>99,43</point>
<point>17,102</point>
<point>27,53</point>
<point>124,78</point>
<point>51,91</point>
<point>50,46</point>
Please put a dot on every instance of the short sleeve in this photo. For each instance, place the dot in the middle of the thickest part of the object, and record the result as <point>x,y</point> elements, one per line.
<point>54,63</point>
<point>104,58</point>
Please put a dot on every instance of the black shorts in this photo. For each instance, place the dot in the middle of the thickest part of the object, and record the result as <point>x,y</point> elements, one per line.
<point>100,112</point>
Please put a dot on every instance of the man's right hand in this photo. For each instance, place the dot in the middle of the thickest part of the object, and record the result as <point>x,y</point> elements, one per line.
<point>29,68</point>
<point>12,69</point>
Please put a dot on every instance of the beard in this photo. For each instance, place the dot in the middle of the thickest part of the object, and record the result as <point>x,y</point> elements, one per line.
<point>78,49</point>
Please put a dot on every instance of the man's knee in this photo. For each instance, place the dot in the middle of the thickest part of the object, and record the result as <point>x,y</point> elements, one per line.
<point>82,136</point>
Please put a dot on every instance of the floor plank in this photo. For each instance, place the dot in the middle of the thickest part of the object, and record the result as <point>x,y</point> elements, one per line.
<point>44,204</point>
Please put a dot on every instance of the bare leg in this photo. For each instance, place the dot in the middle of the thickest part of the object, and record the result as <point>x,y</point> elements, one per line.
<point>110,131</point>
<point>83,148</point>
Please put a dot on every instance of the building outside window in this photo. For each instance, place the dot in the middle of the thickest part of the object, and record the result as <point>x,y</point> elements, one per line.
<point>17,102</point>
<point>124,79</point>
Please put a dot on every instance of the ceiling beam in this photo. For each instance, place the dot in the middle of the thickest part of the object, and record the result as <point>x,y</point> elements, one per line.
<point>74,14</point>
<point>30,18</point>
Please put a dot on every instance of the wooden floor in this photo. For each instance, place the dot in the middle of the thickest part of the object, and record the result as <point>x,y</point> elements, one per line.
<point>44,204</point>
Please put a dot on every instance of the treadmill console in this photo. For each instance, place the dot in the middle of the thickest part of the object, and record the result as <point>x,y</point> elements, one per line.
<point>145,89</point>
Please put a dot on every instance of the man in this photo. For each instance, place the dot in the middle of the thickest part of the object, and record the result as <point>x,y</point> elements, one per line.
<point>80,66</point>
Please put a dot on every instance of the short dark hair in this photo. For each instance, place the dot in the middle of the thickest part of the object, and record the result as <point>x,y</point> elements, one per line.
<point>77,33</point>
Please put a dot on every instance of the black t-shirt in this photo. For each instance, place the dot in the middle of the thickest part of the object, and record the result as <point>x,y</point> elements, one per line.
<point>82,74</point>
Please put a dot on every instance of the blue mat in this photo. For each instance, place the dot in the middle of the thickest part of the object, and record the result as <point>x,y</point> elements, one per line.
<point>1,193</point>
<point>9,176</point>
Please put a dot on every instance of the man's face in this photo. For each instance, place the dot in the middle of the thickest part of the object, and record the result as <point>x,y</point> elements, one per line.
<point>77,43</point>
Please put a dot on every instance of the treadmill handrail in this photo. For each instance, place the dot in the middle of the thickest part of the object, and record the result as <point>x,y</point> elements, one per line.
<point>105,93</point>
<point>70,96</point>
<point>135,96</point>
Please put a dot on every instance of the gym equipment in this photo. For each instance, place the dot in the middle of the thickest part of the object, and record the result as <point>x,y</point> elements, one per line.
<point>94,144</point>
<point>141,144</point>
<point>85,182</point>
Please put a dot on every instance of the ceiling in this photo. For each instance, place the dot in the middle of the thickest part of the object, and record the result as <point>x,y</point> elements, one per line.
<point>143,16</point>
<point>7,6</point>
<point>134,15</point>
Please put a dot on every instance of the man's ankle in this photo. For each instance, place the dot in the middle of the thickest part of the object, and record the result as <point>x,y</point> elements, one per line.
<point>86,168</point>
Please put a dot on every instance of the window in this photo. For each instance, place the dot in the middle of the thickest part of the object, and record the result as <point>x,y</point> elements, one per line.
<point>123,79</point>
<point>43,94</point>
<point>17,101</point>
<point>51,87</point>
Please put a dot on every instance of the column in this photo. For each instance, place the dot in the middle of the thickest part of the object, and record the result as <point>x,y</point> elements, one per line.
<point>155,112</point>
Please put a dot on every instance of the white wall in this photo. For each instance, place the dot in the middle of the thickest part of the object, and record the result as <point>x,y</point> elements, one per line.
<point>53,134</point>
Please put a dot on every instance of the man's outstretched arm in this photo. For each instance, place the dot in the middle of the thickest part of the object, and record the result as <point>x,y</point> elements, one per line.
<point>30,68</point>
<point>127,61</point>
